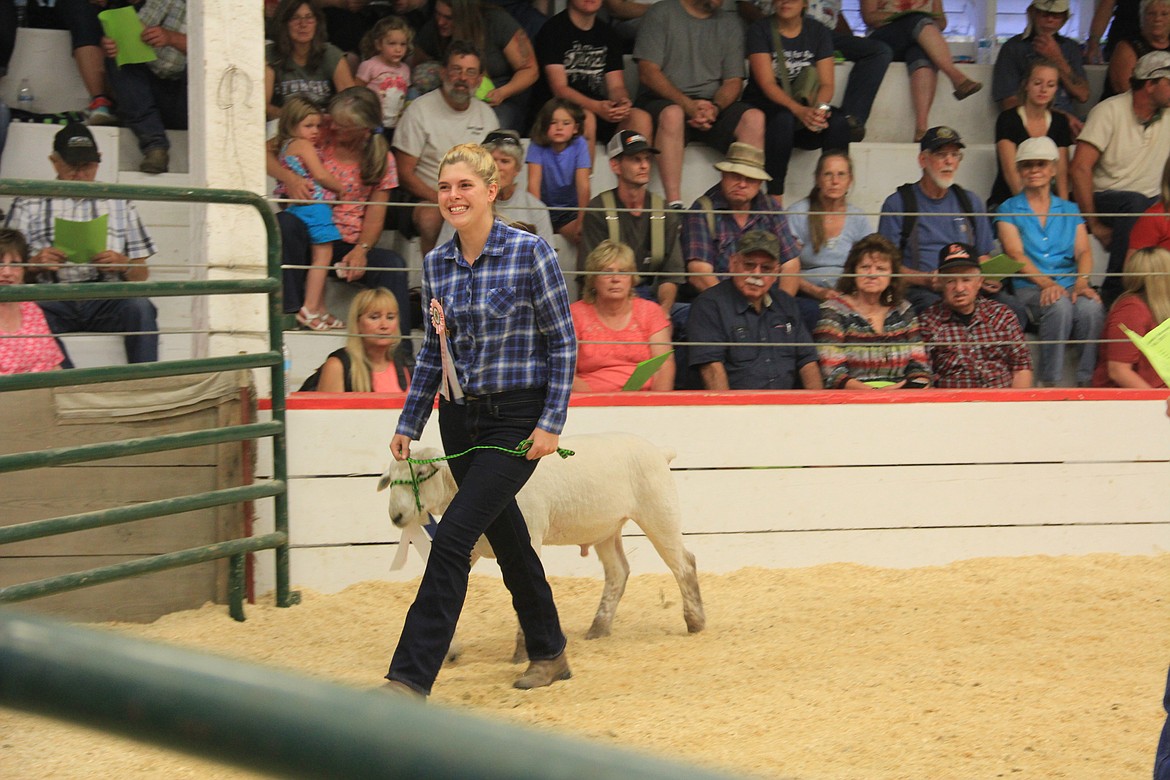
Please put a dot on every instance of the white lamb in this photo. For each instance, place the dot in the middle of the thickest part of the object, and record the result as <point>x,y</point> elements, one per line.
<point>582,500</point>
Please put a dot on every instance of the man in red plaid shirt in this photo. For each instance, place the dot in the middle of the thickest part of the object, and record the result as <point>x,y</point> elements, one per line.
<point>972,340</point>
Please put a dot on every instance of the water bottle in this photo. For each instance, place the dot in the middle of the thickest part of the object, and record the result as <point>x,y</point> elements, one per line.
<point>284,350</point>
<point>21,13</point>
<point>25,99</point>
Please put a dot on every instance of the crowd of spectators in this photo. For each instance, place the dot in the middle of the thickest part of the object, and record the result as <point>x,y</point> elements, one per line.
<point>443,72</point>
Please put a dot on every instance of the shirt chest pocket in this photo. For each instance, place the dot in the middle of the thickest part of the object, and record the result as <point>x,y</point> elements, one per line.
<point>501,301</point>
<point>744,348</point>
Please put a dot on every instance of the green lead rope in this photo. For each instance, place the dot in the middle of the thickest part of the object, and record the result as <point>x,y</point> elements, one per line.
<point>414,481</point>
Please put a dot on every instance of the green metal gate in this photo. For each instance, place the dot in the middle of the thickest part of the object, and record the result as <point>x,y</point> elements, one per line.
<point>276,488</point>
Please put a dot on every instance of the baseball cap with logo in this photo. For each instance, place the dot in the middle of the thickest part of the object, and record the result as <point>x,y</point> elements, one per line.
<point>628,142</point>
<point>759,241</point>
<point>75,145</point>
<point>1155,65</point>
<point>938,137</point>
<point>956,256</point>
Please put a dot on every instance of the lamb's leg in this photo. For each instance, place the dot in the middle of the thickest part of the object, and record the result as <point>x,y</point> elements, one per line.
<point>617,572</point>
<point>664,531</point>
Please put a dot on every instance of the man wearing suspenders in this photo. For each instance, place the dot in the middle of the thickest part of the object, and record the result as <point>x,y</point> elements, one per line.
<point>648,227</point>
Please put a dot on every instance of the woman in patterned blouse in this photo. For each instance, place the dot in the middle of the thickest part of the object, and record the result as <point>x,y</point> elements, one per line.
<point>868,338</point>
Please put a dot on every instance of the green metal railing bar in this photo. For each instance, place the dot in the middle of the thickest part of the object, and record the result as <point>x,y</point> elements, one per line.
<point>101,518</point>
<point>89,291</point>
<point>272,360</point>
<point>84,376</point>
<point>285,724</point>
<point>63,456</point>
<point>118,571</point>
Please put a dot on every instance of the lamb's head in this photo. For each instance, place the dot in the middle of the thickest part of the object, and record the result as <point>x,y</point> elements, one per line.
<point>436,488</point>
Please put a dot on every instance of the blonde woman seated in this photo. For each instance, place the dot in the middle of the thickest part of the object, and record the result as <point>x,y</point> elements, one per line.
<point>371,360</point>
<point>868,337</point>
<point>610,312</point>
<point>1141,308</point>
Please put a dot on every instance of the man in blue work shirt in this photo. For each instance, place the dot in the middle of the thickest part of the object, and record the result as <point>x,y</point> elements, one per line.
<point>769,346</point>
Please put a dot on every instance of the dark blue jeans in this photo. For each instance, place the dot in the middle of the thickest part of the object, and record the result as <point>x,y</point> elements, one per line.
<point>385,268</point>
<point>148,105</point>
<point>784,131</point>
<point>870,60</point>
<point>484,505</point>
<point>122,315</point>
<point>1131,204</point>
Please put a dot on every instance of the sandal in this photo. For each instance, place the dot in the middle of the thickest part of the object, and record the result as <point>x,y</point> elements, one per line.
<point>329,322</point>
<point>312,320</point>
<point>967,89</point>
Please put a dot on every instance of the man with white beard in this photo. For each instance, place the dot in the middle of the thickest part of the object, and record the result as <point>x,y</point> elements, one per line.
<point>931,205</point>
<point>745,332</point>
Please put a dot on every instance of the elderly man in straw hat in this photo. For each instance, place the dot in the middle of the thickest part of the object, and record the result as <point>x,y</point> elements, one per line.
<point>709,239</point>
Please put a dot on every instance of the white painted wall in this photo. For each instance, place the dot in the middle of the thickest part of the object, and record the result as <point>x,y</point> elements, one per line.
<point>797,479</point>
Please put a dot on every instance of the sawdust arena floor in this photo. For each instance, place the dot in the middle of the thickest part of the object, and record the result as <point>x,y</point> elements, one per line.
<point>1034,667</point>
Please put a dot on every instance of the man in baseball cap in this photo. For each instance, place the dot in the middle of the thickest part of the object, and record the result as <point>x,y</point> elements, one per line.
<point>972,340</point>
<point>74,145</point>
<point>1119,159</point>
<point>751,312</point>
<point>75,157</point>
<point>650,228</point>
<point>923,217</point>
<point>1041,40</point>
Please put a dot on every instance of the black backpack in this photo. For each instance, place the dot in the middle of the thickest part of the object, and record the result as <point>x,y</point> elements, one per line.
<point>910,219</point>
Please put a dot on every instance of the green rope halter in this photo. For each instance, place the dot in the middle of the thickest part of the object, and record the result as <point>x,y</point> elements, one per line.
<point>414,481</point>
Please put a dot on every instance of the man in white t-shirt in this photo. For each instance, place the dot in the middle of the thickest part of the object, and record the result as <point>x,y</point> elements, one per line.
<point>1120,156</point>
<point>430,126</point>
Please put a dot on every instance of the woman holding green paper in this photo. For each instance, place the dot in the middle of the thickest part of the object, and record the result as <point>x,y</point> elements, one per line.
<point>617,330</point>
<point>1144,304</point>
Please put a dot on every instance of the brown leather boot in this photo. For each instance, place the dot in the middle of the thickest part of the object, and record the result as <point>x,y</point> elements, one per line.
<point>542,673</point>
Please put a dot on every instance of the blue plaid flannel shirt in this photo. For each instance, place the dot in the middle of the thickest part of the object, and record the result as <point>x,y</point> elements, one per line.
<point>508,321</point>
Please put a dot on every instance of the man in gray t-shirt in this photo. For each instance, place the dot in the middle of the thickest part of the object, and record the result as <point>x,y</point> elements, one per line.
<point>690,64</point>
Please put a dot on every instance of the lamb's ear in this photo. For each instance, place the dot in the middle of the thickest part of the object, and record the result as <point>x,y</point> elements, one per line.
<point>385,480</point>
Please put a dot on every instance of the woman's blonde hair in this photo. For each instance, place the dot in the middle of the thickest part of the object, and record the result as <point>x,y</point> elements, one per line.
<point>360,107</point>
<point>296,109</point>
<point>359,364</point>
<point>605,254</point>
<point>475,157</point>
<point>1149,277</point>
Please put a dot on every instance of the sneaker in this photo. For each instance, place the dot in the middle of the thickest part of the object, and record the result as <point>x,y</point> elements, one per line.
<point>155,160</point>
<point>100,112</point>
<point>675,204</point>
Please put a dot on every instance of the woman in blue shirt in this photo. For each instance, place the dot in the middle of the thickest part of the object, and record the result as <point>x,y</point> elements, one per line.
<point>1048,236</point>
<point>501,350</point>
